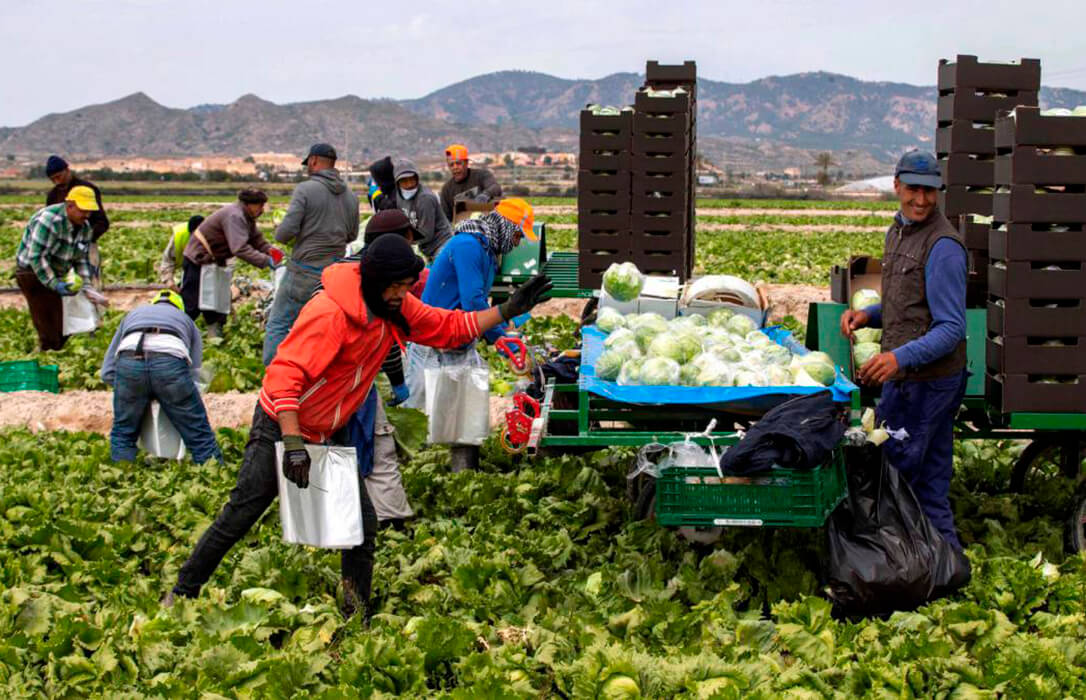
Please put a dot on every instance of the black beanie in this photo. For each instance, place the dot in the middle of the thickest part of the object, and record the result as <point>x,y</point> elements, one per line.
<point>388,259</point>
<point>194,222</point>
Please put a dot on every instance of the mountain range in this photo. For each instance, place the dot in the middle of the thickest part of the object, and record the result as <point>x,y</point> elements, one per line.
<point>773,122</point>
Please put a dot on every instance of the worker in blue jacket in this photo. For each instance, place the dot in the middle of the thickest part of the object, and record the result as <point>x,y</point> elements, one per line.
<point>922,315</point>
<point>460,278</point>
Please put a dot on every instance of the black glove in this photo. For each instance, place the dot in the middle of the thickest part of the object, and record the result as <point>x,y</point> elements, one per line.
<point>526,297</point>
<point>296,460</point>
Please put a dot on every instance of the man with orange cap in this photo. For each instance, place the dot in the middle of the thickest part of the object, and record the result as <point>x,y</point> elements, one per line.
<point>466,183</point>
<point>460,278</point>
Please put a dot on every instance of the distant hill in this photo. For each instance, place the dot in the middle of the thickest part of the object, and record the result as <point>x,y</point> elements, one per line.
<point>774,122</point>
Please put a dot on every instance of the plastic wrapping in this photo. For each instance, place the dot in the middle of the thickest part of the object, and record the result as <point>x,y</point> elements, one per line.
<point>215,292</point>
<point>79,314</point>
<point>159,436</point>
<point>327,514</point>
<point>458,402</point>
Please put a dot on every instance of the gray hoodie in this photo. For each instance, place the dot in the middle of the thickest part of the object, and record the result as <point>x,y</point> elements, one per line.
<point>424,211</point>
<point>322,216</point>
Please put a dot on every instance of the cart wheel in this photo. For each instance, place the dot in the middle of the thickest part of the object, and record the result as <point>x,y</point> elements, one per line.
<point>508,446</point>
<point>1047,458</point>
<point>1077,526</point>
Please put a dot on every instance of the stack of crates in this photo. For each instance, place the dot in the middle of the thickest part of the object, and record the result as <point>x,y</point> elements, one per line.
<point>603,194</point>
<point>971,94</point>
<point>1036,350</point>
<point>664,173</point>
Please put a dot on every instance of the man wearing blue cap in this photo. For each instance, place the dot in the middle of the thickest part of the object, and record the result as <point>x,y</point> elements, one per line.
<point>922,315</point>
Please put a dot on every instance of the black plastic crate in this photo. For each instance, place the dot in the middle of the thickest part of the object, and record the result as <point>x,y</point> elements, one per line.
<point>956,200</point>
<point>591,182</point>
<point>1029,128</point>
<point>974,234</point>
<point>596,242</point>
<point>967,72</point>
<point>963,137</point>
<point>600,141</point>
<point>651,144</point>
<point>591,266</point>
<point>1031,279</point>
<point>656,72</point>
<point>605,161</point>
<point>1011,393</point>
<point>1018,317</point>
<point>663,165</point>
<point>601,221</point>
<point>679,104</point>
<point>603,124</point>
<point>1035,355</point>
<point>1024,242</point>
<point>589,201</point>
<point>1025,165</point>
<point>1024,205</point>
<point>965,169</point>
<point>642,183</point>
<point>662,124</point>
<point>969,105</point>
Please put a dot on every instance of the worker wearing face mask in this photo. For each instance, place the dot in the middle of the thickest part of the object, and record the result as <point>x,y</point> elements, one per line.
<point>422,207</point>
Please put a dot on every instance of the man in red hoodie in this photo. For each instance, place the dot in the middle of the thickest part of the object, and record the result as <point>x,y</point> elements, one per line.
<point>321,373</point>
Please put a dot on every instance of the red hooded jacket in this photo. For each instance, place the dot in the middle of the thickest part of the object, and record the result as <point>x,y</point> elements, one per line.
<point>325,366</point>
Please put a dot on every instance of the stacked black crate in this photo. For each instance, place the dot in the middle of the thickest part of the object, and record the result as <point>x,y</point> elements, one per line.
<point>1036,350</point>
<point>660,201</point>
<point>971,94</point>
<point>603,193</point>
<point>685,76</point>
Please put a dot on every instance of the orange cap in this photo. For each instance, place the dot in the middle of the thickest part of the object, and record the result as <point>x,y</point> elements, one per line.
<point>520,213</point>
<point>456,152</point>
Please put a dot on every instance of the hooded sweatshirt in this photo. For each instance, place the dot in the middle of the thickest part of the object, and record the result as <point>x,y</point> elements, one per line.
<point>326,365</point>
<point>424,212</point>
<point>322,217</point>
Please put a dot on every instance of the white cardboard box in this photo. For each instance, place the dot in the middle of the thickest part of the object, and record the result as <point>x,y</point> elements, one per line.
<point>659,295</point>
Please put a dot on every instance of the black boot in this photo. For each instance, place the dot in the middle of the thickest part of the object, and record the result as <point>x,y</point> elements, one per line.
<point>464,457</point>
<point>351,601</point>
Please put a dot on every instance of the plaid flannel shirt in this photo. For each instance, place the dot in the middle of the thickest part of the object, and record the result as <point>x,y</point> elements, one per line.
<point>51,246</point>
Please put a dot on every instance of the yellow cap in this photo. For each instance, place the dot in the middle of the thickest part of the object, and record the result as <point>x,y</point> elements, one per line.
<point>170,296</point>
<point>520,213</point>
<point>83,197</point>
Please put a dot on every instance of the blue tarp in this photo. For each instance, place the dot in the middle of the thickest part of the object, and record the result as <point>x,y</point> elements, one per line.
<point>592,347</point>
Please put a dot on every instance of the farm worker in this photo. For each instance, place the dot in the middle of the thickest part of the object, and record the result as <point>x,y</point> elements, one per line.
<point>381,190</point>
<point>57,170</point>
<point>922,316</point>
<point>466,183</point>
<point>57,239</point>
<point>155,354</point>
<point>229,232</point>
<point>422,208</point>
<point>322,373</point>
<point>461,278</point>
<point>173,257</point>
<point>322,219</point>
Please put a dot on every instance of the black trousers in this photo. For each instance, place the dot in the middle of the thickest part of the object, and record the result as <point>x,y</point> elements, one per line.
<point>257,487</point>
<point>190,293</point>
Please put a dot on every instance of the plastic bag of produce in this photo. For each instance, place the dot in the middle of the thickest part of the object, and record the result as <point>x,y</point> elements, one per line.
<point>885,554</point>
<point>608,320</point>
<point>659,371</point>
<point>867,335</point>
<point>863,298</point>
<point>609,364</point>
<point>328,513</point>
<point>623,282</point>
<point>215,284</point>
<point>78,314</point>
<point>159,436</point>
<point>863,352</point>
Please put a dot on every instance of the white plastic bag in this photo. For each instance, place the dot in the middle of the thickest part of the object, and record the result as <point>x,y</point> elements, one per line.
<point>158,435</point>
<point>79,314</point>
<point>327,514</point>
<point>215,284</point>
<point>458,401</point>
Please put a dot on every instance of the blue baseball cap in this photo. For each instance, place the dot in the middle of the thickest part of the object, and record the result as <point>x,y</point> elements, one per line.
<point>919,168</point>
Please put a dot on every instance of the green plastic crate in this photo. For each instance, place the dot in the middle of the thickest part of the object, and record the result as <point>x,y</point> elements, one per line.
<point>28,375</point>
<point>697,496</point>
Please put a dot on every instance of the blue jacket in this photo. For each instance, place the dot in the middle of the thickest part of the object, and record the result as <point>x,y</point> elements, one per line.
<point>461,277</point>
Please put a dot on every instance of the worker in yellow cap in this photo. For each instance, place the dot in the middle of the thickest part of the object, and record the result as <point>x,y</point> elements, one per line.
<point>57,239</point>
<point>460,278</point>
<point>466,183</point>
<point>155,355</point>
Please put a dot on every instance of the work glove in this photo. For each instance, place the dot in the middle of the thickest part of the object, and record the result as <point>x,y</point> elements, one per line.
<point>400,393</point>
<point>65,289</point>
<point>296,460</point>
<point>482,198</point>
<point>525,298</point>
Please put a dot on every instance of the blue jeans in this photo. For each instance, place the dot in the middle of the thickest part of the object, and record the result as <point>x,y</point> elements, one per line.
<point>293,293</point>
<point>926,409</point>
<point>169,380</point>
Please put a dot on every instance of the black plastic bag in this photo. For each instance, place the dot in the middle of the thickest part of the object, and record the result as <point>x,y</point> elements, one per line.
<point>885,554</point>
<point>798,434</point>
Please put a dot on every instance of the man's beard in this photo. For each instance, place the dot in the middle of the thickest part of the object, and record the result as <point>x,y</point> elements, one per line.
<point>381,308</point>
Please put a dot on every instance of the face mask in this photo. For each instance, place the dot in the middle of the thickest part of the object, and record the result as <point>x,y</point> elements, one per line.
<point>409,194</point>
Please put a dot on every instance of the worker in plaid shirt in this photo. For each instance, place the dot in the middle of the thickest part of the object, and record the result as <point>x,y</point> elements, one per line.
<point>57,239</point>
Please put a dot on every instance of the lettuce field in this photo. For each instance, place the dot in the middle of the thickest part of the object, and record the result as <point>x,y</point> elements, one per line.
<point>530,578</point>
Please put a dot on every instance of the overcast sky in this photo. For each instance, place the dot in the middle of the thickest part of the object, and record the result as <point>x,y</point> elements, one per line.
<point>58,55</point>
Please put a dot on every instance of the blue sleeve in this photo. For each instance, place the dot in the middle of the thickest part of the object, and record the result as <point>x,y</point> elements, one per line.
<point>945,277</point>
<point>472,265</point>
<point>109,365</point>
<point>874,315</point>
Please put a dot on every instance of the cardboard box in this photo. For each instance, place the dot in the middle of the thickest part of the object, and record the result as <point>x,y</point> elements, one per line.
<point>464,209</point>
<point>660,295</point>
<point>1022,392</point>
<point>1028,355</point>
<point>862,272</point>
<point>962,137</point>
<point>1023,205</point>
<point>1030,280</point>
<point>1022,242</point>
<point>968,104</point>
<point>967,72</point>
<point>1020,317</point>
<point>1023,165</point>
<point>1029,128</point>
